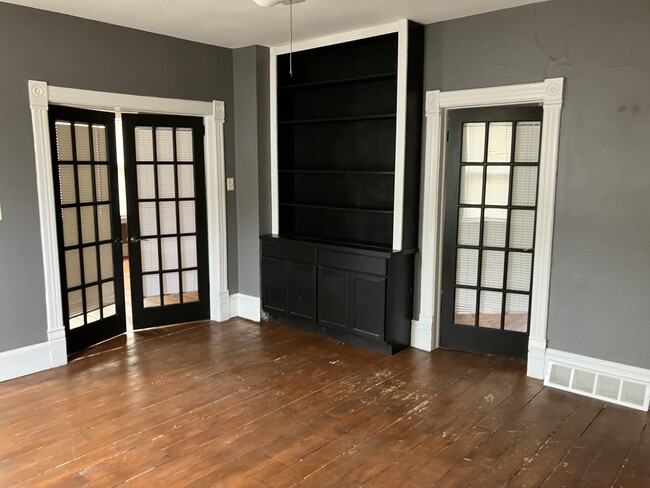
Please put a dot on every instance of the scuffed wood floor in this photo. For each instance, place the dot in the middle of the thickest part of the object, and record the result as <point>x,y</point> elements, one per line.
<point>239,404</point>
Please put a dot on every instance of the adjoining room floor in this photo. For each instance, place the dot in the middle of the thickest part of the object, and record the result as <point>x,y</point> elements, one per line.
<point>239,404</point>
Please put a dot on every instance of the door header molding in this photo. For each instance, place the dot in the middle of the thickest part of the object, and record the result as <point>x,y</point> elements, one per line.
<point>548,94</point>
<point>41,95</point>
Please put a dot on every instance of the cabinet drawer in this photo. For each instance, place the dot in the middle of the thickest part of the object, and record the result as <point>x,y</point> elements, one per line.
<point>353,262</point>
<point>298,254</point>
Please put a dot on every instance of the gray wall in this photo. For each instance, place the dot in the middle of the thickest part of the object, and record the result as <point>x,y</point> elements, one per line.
<point>600,280</point>
<point>68,51</point>
<point>251,72</point>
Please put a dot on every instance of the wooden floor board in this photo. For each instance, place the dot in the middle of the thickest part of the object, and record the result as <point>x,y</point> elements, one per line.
<point>243,404</point>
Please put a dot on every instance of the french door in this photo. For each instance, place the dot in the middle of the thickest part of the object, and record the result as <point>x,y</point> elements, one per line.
<point>167,219</point>
<point>491,180</point>
<point>88,220</point>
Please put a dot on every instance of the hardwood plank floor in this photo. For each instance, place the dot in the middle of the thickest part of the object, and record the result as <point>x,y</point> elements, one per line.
<point>243,404</point>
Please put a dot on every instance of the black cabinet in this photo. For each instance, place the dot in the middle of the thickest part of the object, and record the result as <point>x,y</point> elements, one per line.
<point>362,295</point>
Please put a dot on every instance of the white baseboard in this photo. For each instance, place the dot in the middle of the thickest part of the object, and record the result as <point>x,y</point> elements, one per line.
<point>536,358</point>
<point>605,380</point>
<point>31,359</point>
<point>220,308</point>
<point>246,307</point>
<point>422,335</point>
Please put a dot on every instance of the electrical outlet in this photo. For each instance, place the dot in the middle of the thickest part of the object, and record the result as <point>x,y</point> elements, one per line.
<point>230,184</point>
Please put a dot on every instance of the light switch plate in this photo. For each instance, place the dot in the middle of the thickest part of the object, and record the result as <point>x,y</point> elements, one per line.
<point>230,184</point>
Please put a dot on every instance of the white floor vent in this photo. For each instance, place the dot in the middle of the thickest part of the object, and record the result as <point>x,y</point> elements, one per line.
<point>598,384</point>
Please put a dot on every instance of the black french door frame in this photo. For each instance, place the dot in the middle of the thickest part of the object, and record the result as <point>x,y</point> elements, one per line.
<point>467,337</point>
<point>88,334</point>
<point>166,314</point>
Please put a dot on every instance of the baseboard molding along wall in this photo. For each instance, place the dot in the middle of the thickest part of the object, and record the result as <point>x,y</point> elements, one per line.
<point>246,307</point>
<point>31,359</point>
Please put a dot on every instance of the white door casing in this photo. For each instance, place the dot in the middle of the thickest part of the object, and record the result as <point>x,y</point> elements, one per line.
<point>40,97</point>
<point>549,94</point>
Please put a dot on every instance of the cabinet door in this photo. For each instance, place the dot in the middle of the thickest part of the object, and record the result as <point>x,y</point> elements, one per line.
<point>302,291</point>
<point>368,305</point>
<point>333,297</point>
<point>275,285</point>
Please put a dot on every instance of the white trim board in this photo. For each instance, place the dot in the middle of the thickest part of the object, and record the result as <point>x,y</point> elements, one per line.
<point>40,97</point>
<point>246,307</point>
<point>31,359</point>
<point>399,27</point>
<point>595,378</point>
<point>548,94</point>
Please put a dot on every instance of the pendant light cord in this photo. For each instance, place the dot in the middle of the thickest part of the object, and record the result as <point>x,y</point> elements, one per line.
<point>291,38</point>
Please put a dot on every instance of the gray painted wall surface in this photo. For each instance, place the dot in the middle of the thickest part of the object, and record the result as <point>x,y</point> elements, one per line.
<point>600,280</point>
<point>68,51</point>
<point>245,88</point>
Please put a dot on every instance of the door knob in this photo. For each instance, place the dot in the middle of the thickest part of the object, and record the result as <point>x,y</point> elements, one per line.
<point>135,240</point>
<point>118,242</point>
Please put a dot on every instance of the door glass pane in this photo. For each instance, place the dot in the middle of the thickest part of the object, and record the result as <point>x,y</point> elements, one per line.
<point>190,281</point>
<point>490,309</point>
<point>527,142</point>
<point>473,150</point>
<point>469,226</point>
<point>185,181</point>
<point>103,193</point>
<point>494,227</point>
<point>72,268</point>
<point>100,147</point>
<point>170,283</point>
<point>108,293</point>
<point>184,149</point>
<point>492,269</point>
<point>148,225</point>
<point>164,144</point>
<point>166,181</point>
<point>67,184</point>
<point>188,251</point>
<point>144,144</point>
<point>106,261</point>
<point>471,185</point>
<point>64,141</point>
<point>75,304</point>
<point>522,229</point>
<point>146,182</point>
<point>70,226</point>
<point>524,186</point>
<point>169,247</point>
<point>168,217</point>
<point>82,139</point>
<point>467,267</point>
<point>519,271</point>
<point>92,298</point>
<point>151,290</point>
<point>90,264</point>
<point>104,222</point>
<point>84,172</point>
<point>187,217</point>
<point>149,253</point>
<point>516,312</point>
<point>497,185</point>
<point>88,224</point>
<point>465,307</point>
<point>500,142</point>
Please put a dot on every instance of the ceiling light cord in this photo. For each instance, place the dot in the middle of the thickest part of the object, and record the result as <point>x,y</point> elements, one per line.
<point>291,38</point>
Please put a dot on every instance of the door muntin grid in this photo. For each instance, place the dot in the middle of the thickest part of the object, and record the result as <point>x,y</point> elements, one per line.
<point>495,231</point>
<point>165,169</point>
<point>83,172</point>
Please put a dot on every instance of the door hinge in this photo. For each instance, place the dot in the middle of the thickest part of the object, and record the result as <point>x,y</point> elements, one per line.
<point>447,136</point>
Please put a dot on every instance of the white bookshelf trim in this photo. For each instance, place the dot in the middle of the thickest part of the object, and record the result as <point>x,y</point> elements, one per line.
<point>40,97</point>
<point>548,94</point>
<point>401,28</point>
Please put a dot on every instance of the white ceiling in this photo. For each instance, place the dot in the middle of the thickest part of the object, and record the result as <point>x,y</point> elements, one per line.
<point>237,23</point>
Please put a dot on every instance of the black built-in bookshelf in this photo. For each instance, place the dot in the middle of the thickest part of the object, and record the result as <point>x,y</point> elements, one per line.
<point>337,142</point>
